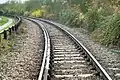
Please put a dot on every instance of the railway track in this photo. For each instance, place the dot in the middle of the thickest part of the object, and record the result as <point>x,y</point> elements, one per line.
<point>65,58</point>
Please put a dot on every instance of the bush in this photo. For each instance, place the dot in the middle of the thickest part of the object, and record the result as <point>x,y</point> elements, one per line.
<point>70,17</point>
<point>92,18</point>
<point>26,13</point>
<point>109,31</point>
<point>38,13</point>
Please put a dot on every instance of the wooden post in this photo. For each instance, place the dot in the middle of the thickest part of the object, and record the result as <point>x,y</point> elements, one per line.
<point>10,30</point>
<point>13,28</point>
<point>16,27</point>
<point>0,37</point>
<point>5,34</point>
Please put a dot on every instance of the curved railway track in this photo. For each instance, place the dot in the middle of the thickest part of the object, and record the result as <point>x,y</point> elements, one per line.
<point>65,58</point>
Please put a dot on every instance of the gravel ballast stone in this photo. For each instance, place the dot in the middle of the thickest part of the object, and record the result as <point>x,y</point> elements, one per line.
<point>23,62</point>
<point>109,60</point>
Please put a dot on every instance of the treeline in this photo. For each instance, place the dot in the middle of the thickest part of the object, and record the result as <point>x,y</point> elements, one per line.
<point>100,17</point>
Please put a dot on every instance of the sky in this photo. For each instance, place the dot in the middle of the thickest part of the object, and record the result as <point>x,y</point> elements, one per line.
<point>3,1</point>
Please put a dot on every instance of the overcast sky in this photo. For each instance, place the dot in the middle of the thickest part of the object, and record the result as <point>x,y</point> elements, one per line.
<point>3,1</point>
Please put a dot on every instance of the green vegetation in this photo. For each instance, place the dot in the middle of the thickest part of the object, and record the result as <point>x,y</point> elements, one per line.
<point>9,45</point>
<point>3,20</point>
<point>100,17</point>
<point>38,13</point>
<point>109,31</point>
<point>6,45</point>
<point>9,26</point>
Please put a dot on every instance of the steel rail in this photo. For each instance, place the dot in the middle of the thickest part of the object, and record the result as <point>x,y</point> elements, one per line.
<point>45,64</point>
<point>96,64</point>
<point>43,74</point>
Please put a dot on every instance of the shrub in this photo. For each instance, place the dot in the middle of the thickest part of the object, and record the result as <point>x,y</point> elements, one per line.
<point>92,18</point>
<point>26,13</point>
<point>109,31</point>
<point>38,13</point>
<point>70,17</point>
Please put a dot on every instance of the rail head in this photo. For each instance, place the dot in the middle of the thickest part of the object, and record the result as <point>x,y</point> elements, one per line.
<point>46,59</point>
<point>43,74</point>
<point>92,58</point>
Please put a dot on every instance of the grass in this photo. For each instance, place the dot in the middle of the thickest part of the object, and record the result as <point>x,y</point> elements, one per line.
<point>7,46</point>
<point>13,22</point>
<point>3,20</point>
